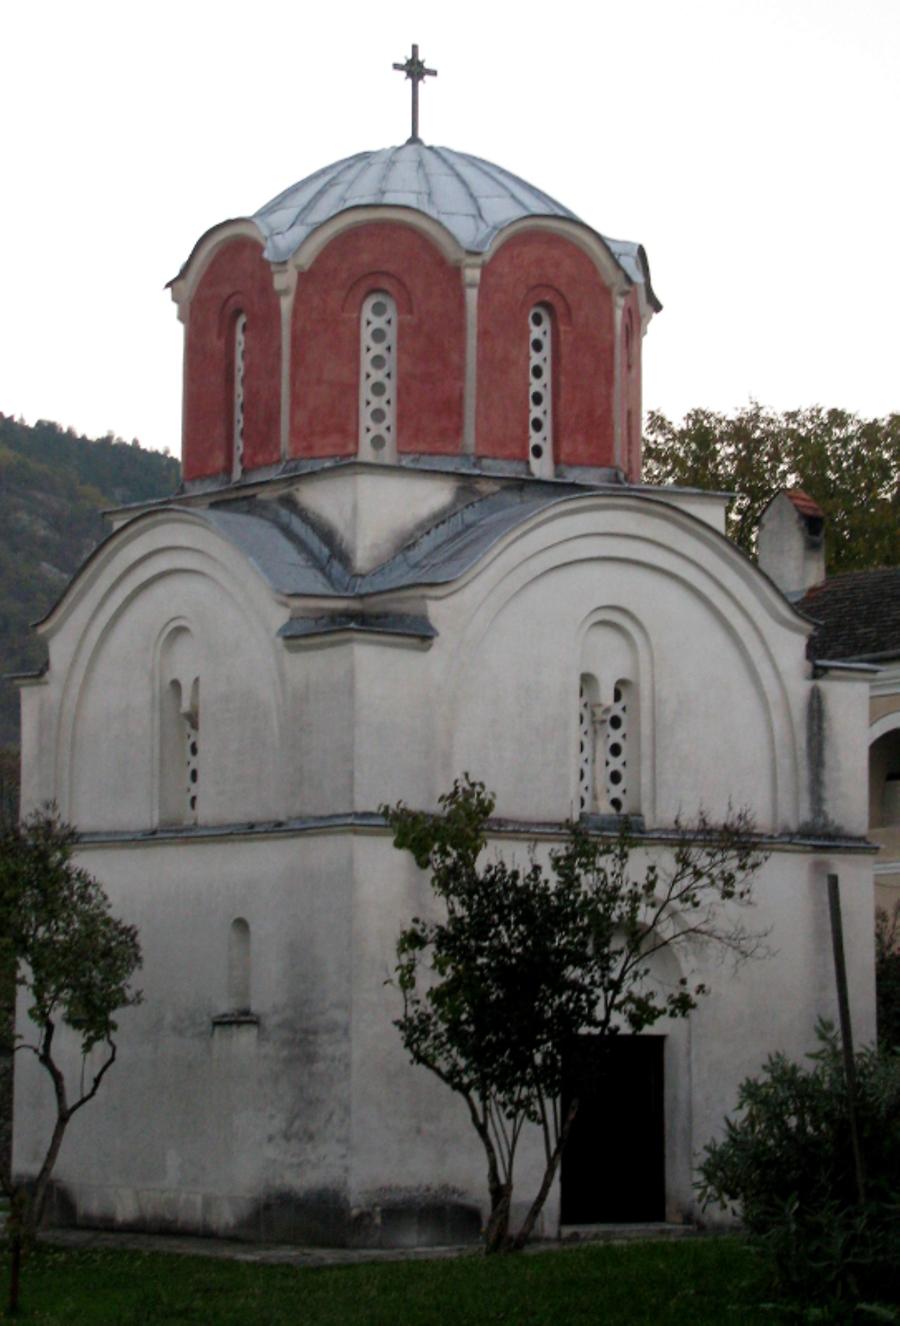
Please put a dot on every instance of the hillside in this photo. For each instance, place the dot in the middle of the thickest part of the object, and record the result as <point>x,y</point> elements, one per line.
<point>54,486</point>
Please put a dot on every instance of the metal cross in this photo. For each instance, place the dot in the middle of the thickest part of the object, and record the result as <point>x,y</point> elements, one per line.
<point>415,71</point>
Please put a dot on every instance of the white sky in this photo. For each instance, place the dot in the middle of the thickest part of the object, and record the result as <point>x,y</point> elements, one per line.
<point>751,145</point>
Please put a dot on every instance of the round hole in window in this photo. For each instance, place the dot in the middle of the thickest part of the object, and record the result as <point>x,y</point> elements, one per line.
<point>378,361</point>
<point>378,442</point>
<point>193,803</point>
<point>377,415</point>
<point>537,424</point>
<point>378,388</point>
<point>537,317</point>
<point>193,775</point>
<point>537,344</point>
<point>537,398</point>
<point>537,372</point>
<point>615,750</point>
<point>537,451</point>
<point>615,722</point>
<point>615,777</point>
<point>616,805</point>
<point>379,335</point>
<point>617,694</point>
<point>379,308</point>
<point>194,749</point>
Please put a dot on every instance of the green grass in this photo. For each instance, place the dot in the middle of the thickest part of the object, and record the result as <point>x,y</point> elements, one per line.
<point>693,1282</point>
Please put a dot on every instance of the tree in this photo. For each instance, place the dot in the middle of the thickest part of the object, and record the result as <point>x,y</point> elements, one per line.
<point>850,466</point>
<point>522,960</point>
<point>9,814</point>
<point>76,962</point>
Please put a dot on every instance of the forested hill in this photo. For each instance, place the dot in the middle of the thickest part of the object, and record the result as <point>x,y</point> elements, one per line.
<point>53,487</point>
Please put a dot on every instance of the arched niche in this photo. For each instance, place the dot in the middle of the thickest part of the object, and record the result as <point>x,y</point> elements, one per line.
<point>239,987</point>
<point>614,684</point>
<point>325,356</point>
<point>569,284</point>
<point>234,292</point>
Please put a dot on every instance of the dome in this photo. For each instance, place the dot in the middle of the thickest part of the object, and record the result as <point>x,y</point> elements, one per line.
<point>472,198</point>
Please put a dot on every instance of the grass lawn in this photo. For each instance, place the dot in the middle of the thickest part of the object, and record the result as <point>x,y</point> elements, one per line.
<point>695,1282</point>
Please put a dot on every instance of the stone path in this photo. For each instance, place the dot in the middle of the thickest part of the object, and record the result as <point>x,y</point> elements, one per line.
<point>284,1255</point>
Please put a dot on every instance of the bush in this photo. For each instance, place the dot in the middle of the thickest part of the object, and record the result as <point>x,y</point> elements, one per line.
<point>887,977</point>
<point>786,1165</point>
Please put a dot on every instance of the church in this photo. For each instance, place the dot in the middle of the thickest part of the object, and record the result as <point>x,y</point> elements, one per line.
<point>412,540</point>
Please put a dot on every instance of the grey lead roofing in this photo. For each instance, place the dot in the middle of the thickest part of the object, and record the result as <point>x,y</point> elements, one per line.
<point>472,198</point>
<point>297,559</point>
<point>857,615</point>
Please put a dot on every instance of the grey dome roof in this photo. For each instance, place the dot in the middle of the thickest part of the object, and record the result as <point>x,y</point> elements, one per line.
<point>472,198</point>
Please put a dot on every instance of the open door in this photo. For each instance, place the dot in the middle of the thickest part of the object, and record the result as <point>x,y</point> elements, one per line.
<point>613,1167</point>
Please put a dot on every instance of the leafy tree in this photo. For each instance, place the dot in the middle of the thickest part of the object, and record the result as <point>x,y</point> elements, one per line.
<point>54,486</point>
<point>786,1165</point>
<point>887,977</point>
<point>849,465</point>
<point>524,959</point>
<point>9,814</point>
<point>76,962</point>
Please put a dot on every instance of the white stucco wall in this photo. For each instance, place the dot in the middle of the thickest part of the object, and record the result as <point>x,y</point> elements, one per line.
<point>310,1124</point>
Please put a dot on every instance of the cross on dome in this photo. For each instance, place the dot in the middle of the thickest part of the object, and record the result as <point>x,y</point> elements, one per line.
<point>415,71</point>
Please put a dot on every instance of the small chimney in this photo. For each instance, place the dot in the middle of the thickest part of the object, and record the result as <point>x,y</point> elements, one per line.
<point>791,542</point>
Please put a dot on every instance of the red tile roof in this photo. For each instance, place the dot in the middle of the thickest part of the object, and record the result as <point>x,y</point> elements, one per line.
<point>804,503</point>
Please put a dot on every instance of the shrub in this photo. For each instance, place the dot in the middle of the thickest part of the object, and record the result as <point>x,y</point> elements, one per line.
<point>887,977</point>
<point>786,1165</point>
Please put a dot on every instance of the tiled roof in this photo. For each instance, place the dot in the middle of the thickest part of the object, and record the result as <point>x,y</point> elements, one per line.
<point>858,615</point>
<point>804,503</point>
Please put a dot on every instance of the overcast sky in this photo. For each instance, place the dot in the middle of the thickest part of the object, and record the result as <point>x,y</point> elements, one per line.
<point>751,146</point>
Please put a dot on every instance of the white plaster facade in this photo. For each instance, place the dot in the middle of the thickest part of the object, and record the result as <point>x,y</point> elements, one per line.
<point>295,1114</point>
<point>307,1122</point>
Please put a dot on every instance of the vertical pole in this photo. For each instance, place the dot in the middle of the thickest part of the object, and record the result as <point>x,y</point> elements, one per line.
<point>415,94</point>
<point>840,976</point>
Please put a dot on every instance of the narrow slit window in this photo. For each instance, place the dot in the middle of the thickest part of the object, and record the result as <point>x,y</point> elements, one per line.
<point>378,374</point>
<point>585,749</point>
<point>237,441</point>
<point>540,391</point>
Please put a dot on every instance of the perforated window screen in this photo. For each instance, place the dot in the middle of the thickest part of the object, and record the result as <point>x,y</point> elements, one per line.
<point>540,391</point>
<point>240,335</point>
<point>378,373</point>
<point>585,752</point>
<point>616,753</point>
<point>192,762</point>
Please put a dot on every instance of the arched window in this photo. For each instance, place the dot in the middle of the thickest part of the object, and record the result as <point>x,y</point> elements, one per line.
<point>237,427</point>
<point>615,754</point>
<point>540,391</point>
<point>378,378</point>
<point>239,966</point>
<point>179,729</point>
<point>607,773</point>
<point>179,757</point>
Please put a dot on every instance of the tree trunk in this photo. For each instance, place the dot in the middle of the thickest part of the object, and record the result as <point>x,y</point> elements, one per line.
<point>549,1175</point>
<point>496,1235</point>
<point>34,1209</point>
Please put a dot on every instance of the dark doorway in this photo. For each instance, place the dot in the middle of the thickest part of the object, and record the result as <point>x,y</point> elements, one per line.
<point>613,1167</point>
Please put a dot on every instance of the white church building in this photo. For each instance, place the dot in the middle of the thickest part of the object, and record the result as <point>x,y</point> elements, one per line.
<point>412,540</point>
